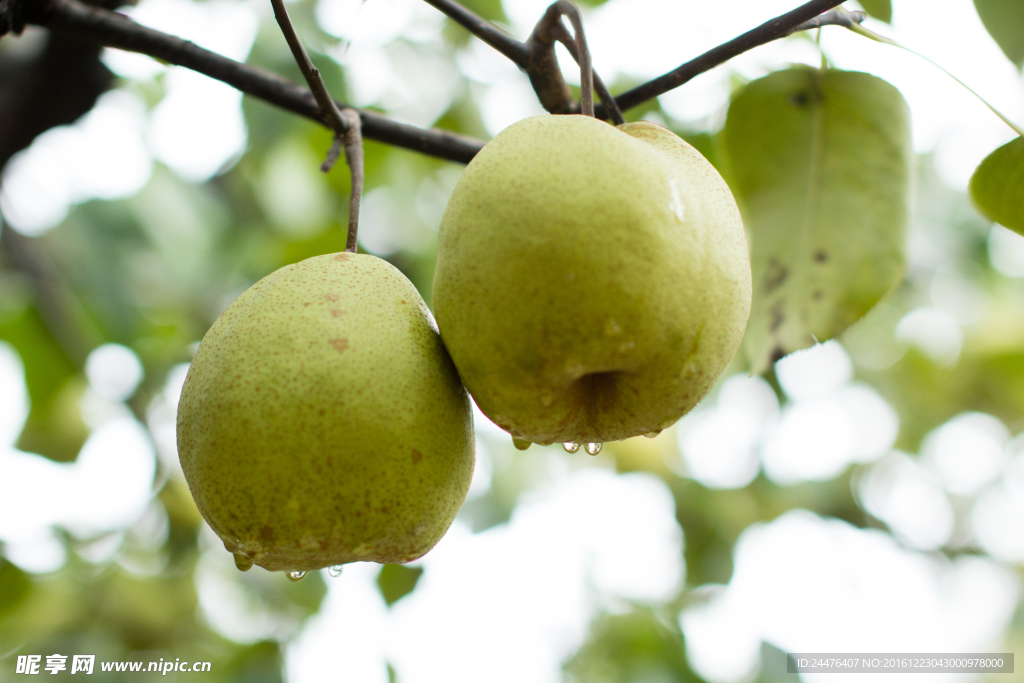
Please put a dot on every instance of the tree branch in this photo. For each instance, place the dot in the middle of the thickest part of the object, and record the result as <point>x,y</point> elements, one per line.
<point>71,17</point>
<point>329,111</point>
<point>779,27</point>
<point>834,17</point>
<point>346,124</point>
<point>517,52</point>
<point>115,30</point>
<point>553,92</point>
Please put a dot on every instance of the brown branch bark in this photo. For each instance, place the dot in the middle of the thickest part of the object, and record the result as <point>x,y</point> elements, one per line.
<point>71,17</point>
<point>543,68</point>
<point>346,124</point>
<point>74,19</point>
<point>517,52</point>
<point>773,29</point>
<point>553,91</point>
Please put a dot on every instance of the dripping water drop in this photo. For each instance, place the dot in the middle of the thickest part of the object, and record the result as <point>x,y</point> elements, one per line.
<point>571,446</point>
<point>520,444</point>
<point>296,576</point>
<point>593,448</point>
<point>242,562</point>
<point>335,570</point>
<point>651,435</point>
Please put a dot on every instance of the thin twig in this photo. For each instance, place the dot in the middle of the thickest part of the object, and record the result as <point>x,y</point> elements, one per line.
<point>536,56</point>
<point>328,108</point>
<point>96,25</point>
<point>833,17</point>
<point>345,123</point>
<point>773,29</point>
<point>543,70</point>
<point>337,146</point>
<point>100,26</point>
<point>554,94</point>
<point>485,31</point>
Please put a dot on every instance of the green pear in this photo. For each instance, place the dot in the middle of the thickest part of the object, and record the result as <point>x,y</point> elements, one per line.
<point>592,281</point>
<point>322,421</point>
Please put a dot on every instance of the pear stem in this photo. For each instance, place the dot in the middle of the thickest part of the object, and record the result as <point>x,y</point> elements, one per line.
<point>561,34</point>
<point>353,141</point>
<point>345,123</point>
<point>569,9</point>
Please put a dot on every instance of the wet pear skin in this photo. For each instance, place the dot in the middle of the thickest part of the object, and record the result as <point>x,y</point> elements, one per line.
<point>592,281</point>
<point>322,421</point>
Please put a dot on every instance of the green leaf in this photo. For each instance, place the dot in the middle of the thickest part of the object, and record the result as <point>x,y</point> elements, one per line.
<point>395,581</point>
<point>1004,20</point>
<point>820,163</point>
<point>879,9</point>
<point>54,427</point>
<point>997,186</point>
<point>14,586</point>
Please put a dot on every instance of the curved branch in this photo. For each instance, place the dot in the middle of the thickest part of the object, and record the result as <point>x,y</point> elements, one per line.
<point>567,8</point>
<point>773,29</point>
<point>553,92</point>
<point>115,30</point>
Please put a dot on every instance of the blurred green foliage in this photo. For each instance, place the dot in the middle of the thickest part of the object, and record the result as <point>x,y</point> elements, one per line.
<point>396,581</point>
<point>879,9</point>
<point>153,272</point>
<point>1004,19</point>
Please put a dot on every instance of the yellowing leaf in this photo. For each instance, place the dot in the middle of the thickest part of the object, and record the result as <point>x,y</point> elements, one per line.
<point>997,186</point>
<point>820,163</point>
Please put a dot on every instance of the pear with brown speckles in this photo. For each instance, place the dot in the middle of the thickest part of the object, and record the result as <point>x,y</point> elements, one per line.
<point>592,281</point>
<point>323,422</point>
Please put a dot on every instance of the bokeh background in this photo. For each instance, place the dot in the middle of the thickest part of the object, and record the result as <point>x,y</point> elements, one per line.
<point>868,496</point>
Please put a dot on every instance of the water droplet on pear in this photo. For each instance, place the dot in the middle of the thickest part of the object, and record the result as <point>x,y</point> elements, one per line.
<point>242,562</point>
<point>570,446</point>
<point>296,576</point>
<point>335,570</point>
<point>593,448</point>
<point>651,435</point>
